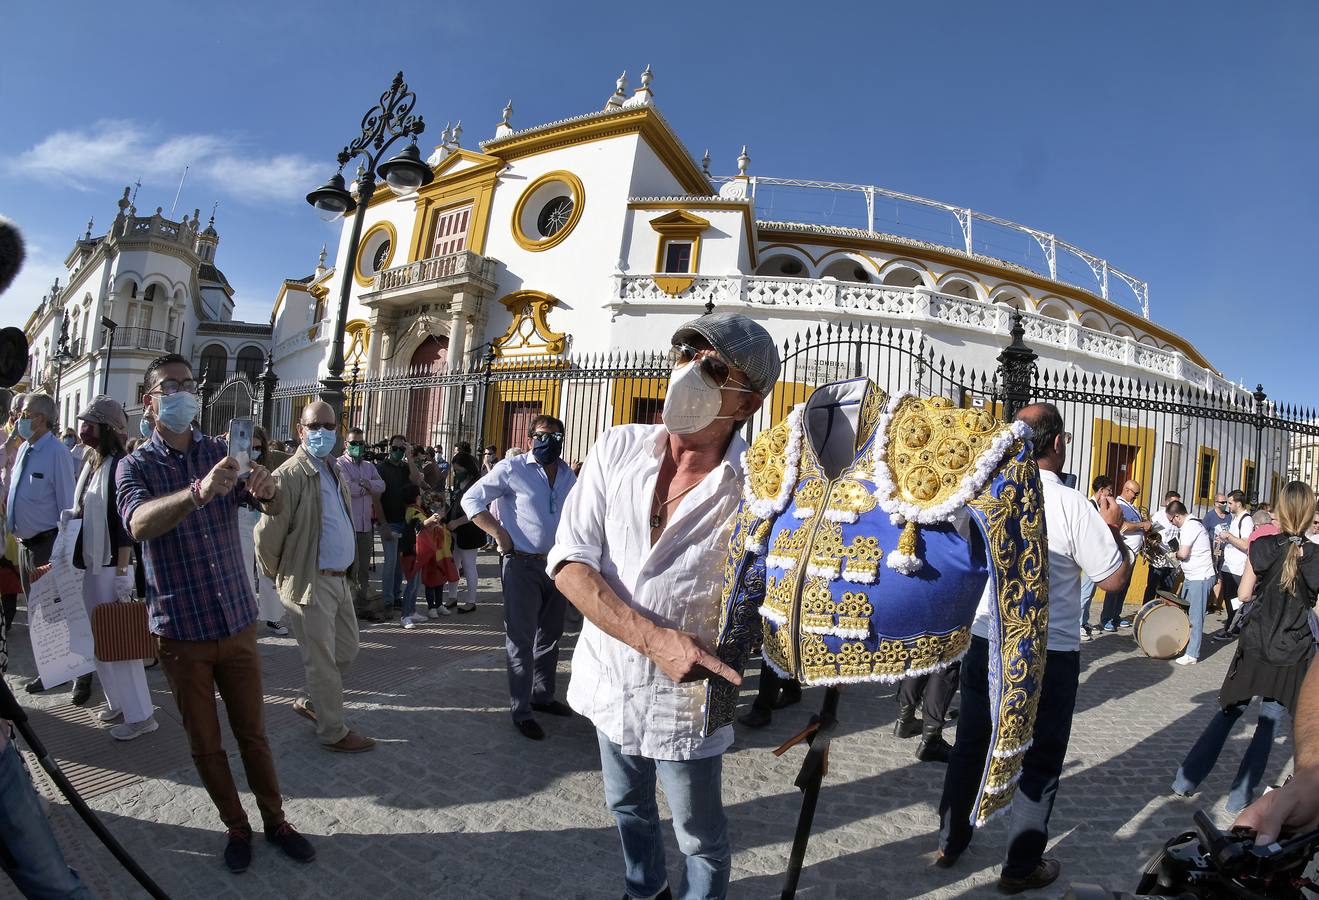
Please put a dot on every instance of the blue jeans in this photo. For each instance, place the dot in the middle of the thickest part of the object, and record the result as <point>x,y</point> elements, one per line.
<point>694,790</point>
<point>1204,754</point>
<point>409,603</point>
<point>391,573</point>
<point>29,853</point>
<point>1197,594</point>
<point>1087,598</point>
<point>1028,826</point>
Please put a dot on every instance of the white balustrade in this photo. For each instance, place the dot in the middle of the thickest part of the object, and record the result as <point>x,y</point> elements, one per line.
<point>435,268</point>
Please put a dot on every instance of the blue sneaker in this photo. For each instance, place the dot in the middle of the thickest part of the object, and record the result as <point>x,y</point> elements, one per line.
<point>1109,627</point>
<point>1125,623</point>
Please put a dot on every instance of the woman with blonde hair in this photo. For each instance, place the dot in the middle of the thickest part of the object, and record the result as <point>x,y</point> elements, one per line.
<point>1278,591</point>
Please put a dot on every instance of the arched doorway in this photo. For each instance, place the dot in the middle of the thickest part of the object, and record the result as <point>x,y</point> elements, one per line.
<point>426,405</point>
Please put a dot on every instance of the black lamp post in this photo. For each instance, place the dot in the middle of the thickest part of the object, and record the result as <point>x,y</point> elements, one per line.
<point>382,125</point>
<point>61,359</point>
<point>110,326</point>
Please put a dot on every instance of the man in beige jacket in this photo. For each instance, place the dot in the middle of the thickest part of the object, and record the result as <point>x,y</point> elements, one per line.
<point>308,549</point>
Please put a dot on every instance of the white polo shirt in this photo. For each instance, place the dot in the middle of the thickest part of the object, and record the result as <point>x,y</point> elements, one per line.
<point>1234,560</point>
<point>678,583</point>
<point>1200,564</point>
<point>1079,541</point>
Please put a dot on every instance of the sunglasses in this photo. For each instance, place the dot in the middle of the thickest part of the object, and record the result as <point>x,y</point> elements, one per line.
<point>544,437</point>
<point>318,426</point>
<point>714,370</point>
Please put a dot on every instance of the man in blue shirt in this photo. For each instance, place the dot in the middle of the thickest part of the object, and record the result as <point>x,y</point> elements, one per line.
<point>308,547</point>
<point>531,489</point>
<point>40,488</point>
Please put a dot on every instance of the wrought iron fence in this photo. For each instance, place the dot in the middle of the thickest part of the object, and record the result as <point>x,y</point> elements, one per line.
<point>1165,434</point>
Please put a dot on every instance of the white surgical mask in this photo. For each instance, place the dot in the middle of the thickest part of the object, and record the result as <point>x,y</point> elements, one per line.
<point>691,402</point>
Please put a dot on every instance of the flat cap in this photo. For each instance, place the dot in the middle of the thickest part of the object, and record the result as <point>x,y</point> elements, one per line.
<point>743,342</point>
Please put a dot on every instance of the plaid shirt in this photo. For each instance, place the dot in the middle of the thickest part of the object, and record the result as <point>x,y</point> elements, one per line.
<point>196,589</point>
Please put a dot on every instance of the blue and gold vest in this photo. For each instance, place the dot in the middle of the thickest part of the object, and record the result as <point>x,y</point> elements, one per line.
<point>869,529</point>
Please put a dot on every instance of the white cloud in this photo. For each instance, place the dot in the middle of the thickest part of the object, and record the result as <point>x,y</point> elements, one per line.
<point>117,151</point>
<point>33,280</point>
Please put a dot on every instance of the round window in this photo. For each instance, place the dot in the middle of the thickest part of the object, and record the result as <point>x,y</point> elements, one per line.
<point>547,211</point>
<point>376,253</point>
<point>554,216</point>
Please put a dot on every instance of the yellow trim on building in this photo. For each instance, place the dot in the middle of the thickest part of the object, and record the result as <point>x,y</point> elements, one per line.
<point>1106,433</point>
<point>387,227</point>
<point>794,240</point>
<point>1213,473</point>
<point>1246,466</point>
<point>536,245</point>
<point>529,308</point>
<point>642,121</point>
<point>544,391</point>
<point>473,185</point>
<point>629,389</point>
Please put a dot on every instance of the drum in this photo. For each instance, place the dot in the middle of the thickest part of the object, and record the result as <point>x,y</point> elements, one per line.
<point>1162,629</point>
<point>1173,598</point>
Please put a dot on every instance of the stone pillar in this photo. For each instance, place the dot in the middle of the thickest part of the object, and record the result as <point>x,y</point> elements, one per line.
<point>460,311</point>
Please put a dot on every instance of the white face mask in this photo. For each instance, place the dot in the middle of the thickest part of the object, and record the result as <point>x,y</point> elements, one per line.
<point>691,403</point>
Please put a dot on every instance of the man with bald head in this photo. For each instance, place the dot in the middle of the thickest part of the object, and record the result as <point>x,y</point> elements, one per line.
<point>308,549</point>
<point>1134,528</point>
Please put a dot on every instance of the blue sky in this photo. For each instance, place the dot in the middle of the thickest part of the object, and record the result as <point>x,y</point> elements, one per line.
<point>1177,140</point>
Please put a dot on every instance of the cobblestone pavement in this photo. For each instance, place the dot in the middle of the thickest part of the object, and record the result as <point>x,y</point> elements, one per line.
<point>455,804</point>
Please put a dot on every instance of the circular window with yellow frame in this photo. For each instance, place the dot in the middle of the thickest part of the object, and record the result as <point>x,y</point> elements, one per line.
<point>548,210</point>
<point>375,252</point>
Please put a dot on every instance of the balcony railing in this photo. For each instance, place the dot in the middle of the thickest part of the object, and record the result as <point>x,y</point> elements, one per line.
<point>436,269</point>
<point>916,304</point>
<point>146,339</point>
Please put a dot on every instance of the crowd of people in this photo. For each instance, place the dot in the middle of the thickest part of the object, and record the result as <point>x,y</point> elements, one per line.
<point>635,540</point>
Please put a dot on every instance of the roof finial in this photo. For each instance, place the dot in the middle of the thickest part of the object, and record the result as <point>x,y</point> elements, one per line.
<point>138,184</point>
<point>643,95</point>
<point>504,128</point>
<point>743,161</point>
<point>88,235</point>
<point>458,133</point>
<point>616,99</point>
<point>320,262</point>
<point>705,163</point>
<point>444,135</point>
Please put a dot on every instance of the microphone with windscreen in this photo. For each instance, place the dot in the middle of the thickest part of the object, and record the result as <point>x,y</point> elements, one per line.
<point>13,343</point>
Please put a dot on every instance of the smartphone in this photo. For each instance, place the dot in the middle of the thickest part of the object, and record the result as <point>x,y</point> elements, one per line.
<point>1068,479</point>
<point>240,444</point>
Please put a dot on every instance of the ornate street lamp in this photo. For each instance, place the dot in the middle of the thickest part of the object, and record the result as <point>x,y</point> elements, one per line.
<point>110,326</point>
<point>382,125</point>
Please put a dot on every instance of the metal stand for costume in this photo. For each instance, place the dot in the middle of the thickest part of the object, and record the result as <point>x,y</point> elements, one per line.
<point>817,734</point>
<point>10,709</point>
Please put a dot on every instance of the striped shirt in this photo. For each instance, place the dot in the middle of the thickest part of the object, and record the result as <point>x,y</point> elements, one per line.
<point>196,589</point>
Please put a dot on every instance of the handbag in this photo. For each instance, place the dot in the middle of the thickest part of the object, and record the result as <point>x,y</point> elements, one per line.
<point>120,632</point>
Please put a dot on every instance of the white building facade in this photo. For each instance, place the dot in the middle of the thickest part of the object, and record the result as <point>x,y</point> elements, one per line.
<point>156,279</point>
<point>601,233</point>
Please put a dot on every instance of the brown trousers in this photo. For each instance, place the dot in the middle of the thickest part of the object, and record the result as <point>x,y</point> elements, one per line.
<point>195,670</point>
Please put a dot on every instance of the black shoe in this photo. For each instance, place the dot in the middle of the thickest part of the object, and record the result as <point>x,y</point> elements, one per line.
<point>1045,874</point>
<point>947,859</point>
<point>907,725</point>
<point>238,852</point>
<point>554,708</point>
<point>295,846</point>
<point>530,728</point>
<point>1222,635</point>
<point>82,689</point>
<point>34,686</point>
<point>933,747</point>
<point>789,695</point>
<point>756,717</point>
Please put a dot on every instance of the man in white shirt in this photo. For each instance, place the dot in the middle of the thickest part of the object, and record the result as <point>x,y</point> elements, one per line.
<point>1082,539</point>
<point>1235,541</point>
<point>532,489</point>
<point>640,552</point>
<point>1162,578</point>
<point>1102,484</point>
<point>1195,549</point>
<point>1134,528</point>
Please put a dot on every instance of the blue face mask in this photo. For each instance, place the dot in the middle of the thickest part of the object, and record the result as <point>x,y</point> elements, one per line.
<point>144,427</point>
<point>177,410</point>
<point>25,429</point>
<point>319,442</point>
<point>547,452</point>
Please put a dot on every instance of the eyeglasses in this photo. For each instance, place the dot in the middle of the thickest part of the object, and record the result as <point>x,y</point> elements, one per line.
<point>357,443</point>
<point>318,426</point>
<point>542,437</point>
<point>170,386</point>
<point>714,370</point>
